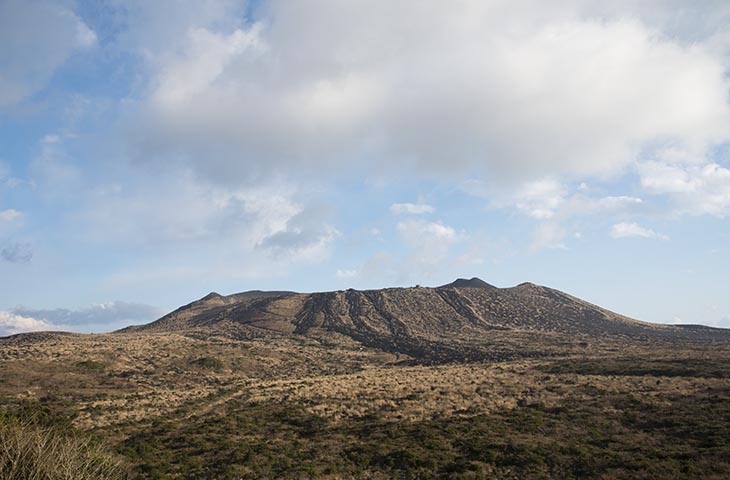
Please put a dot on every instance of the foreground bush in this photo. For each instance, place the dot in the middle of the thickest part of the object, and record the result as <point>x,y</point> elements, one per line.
<point>30,451</point>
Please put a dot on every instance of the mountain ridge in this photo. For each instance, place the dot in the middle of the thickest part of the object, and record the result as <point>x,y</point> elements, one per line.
<point>452,321</point>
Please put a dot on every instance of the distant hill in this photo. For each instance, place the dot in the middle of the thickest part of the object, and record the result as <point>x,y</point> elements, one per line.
<point>438,323</point>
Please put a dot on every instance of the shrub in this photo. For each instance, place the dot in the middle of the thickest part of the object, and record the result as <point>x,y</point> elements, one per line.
<point>211,363</point>
<point>29,451</point>
<point>91,365</point>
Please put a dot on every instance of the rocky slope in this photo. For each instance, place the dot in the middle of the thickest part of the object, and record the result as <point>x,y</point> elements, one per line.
<point>442,322</point>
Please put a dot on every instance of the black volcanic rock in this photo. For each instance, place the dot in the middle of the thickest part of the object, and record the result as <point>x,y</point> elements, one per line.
<point>473,282</point>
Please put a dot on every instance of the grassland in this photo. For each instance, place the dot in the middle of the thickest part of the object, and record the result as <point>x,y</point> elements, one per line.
<point>270,405</point>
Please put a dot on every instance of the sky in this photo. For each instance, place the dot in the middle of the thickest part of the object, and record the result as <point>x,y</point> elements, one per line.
<point>152,152</point>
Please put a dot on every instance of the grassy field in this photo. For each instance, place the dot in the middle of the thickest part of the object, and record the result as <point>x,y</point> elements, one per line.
<point>176,406</point>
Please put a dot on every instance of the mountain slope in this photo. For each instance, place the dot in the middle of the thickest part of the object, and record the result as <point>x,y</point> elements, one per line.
<point>462,319</point>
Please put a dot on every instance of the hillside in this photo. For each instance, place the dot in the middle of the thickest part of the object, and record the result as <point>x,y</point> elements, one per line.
<point>465,380</point>
<point>451,322</point>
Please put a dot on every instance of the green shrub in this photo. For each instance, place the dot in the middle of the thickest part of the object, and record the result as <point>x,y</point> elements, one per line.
<point>91,365</point>
<point>210,363</point>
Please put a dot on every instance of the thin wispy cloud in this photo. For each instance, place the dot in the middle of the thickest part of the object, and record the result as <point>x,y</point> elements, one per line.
<point>411,208</point>
<point>624,230</point>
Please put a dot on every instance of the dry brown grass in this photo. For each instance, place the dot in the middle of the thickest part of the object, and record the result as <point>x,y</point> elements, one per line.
<point>121,378</point>
<point>113,379</point>
<point>424,392</point>
<point>33,452</point>
<point>118,385</point>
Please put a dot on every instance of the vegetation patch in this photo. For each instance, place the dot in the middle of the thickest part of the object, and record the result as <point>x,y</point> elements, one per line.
<point>638,366</point>
<point>574,440</point>
<point>91,365</point>
<point>210,363</point>
<point>36,444</point>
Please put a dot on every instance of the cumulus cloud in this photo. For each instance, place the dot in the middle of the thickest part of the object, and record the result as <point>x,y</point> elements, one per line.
<point>101,317</point>
<point>11,323</point>
<point>299,240</point>
<point>539,199</point>
<point>462,85</point>
<point>428,244</point>
<point>37,38</point>
<point>208,55</point>
<point>559,208</point>
<point>411,208</point>
<point>155,28</point>
<point>568,212</point>
<point>179,208</point>
<point>693,189</point>
<point>623,230</point>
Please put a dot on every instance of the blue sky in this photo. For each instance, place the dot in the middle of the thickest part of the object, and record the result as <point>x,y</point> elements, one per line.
<point>151,152</point>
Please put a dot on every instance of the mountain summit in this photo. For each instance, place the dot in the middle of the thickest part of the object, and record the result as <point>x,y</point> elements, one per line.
<point>473,282</point>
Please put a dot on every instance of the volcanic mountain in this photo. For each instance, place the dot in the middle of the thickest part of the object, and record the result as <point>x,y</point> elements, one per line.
<point>465,380</point>
<point>459,320</point>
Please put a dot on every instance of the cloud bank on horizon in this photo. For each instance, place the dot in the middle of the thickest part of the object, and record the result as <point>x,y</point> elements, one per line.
<point>154,151</point>
<point>96,318</point>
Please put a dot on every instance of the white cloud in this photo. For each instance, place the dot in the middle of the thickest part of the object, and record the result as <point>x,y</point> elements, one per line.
<point>611,203</point>
<point>154,28</point>
<point>410,208</point>
<point>420,232</point>
<point>346,273</point>
<point>301,242</point>
<point>540,199</point>
<point>556,207</point>
<point>428,245</point>
<point>693,189</point>
<point>178,208</point>
<point>11,323</point>
<point>463,85</point>
<point>429,253</point>
<point>548,234</point>
<point>85,37</point>
<point>36,37</point>
<point>9,215</point>
<point>101,317</point>
<point>208,54</point>
<point>623,230</point>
